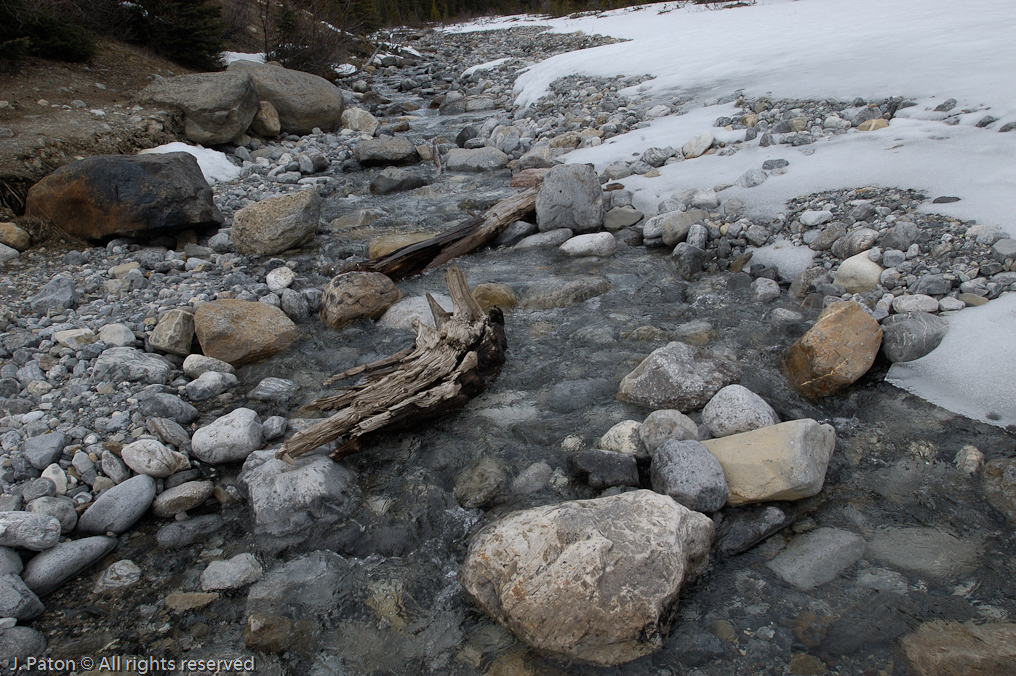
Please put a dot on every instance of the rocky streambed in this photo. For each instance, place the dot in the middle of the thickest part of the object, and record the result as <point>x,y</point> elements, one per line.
<point>889,532</point>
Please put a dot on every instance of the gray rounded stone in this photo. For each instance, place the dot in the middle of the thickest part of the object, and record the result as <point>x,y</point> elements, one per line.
<point>911,335</point>
<point>571,197</point>
<point>17,600</point>
<point>52,568</point>
<point>28,531</point>
<point>736,409</point>
<point>689,473</point>
<point>119,507</point>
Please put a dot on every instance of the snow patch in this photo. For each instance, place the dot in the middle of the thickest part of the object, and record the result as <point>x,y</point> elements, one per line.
<point>214,165</point>
<point>227,58</point>
<point>790,259</point>
<point>483,66</point>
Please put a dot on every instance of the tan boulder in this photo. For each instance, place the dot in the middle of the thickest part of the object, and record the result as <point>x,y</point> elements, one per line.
<point>238,331</point>
<point>266,120</point>
<point>14,237</point>
<point>357,295</point>
<point>174,333</point>
<point>359,119</point>
<point>835,352</point>
<point>873,125</point>
<point>781,462</point>
<point>217,107</point>
<point>495,295</point>
<point>276,224</point>
<point>961,649</point>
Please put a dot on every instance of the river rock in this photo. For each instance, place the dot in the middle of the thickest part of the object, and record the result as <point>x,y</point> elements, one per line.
<point>917,302</point>
<point>385,150</point>
<point>487,158</point>
<point>858,274</point>
<point>182,498</point>
<point>119,575</point>
<point>736,409</point>
<point>45,449</point>
<point>10,562</point>
<point>550,238</point>
<point>119,507</point>
<point>237,331</point>
<point>941,648</point>
<point>209,385</point>
<point>743,528</point>
<point>302,100</point>
<point>697,145</point>
<point>602,469</point>
<point>999,486</point>
<point>163,405</point>
<point>781,462</point>
<point>677,376</point>
<point>17,600</point>
<point>633,553</point>
<point>130,195</point>
<point>117,335</point>
<point>480,484</point>
<point>117,364</point>
<point>21,643</point>
<point>60,508</point>
<point>183,533</point>
<point>14,237</point>
<point>287,499</point>
<point>817,557</point>
<point>396,179</point>
<point>230,438</point>
<point>594,244</point>
<point>58,294</point>
<point>401,314</point>
<point>233,573</point>
<point>673,226</point>
<point>28,531</point>
<point>689,473</point>
<point>148,456</point>
<point>900,236</point>
<point>266,120</point>
<point>197,364</point>
<point>911,335</point>
<point>570,197</point>
<point>835,352</point>
<point>357,295</point>
<point>624,437</point>
<point>360,120</point>
<point>928,552</point>
<point>854,242</point>
<point>52,568</point>
<point>277,224</point>
<point>665,425</point>
<point>217,107</point>
<point>174,333</point>
<point>490,295</point>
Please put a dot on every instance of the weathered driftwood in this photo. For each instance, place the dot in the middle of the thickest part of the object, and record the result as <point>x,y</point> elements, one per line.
<point>466,236</point>
<point>446,367</point>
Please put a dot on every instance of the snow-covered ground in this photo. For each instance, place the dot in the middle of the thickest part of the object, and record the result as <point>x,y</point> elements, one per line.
<point>924,50</point>
<point>214,165</point>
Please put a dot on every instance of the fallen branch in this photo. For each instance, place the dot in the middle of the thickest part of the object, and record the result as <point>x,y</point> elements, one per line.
<point>446,367</point>
<point>465,237</point>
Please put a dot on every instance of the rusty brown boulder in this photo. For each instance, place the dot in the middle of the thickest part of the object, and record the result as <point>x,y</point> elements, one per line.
<point>132,195</point>
<point>239,331</point>
<point>835,352</point>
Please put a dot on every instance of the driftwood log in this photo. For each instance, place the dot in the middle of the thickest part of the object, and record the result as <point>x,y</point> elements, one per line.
<point>447,366</point>
<point>471,234</point>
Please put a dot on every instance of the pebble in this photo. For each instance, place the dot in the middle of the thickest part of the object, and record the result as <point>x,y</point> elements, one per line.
<point>119,575</point>
<point>239,571</point>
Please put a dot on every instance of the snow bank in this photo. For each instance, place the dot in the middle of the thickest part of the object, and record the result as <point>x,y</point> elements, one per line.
<point>227,58</point>
<point>483,66</point>
<point>214,165</point>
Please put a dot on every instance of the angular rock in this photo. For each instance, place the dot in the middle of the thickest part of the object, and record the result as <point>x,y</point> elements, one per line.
<point>479,159</point>
<point>287,499</point>
<point>835,352</point>
<point>45,449</point>
<point>817,557</point>
<point>183,533</point>
<point>119,507</point>
<point>24,530</point>
<point>690,474</point>
<point>673,226</point>
<point>277,224</point>
<point>941,648</point>
<point>621,217</point>
<point>570,197</point>
<point>59,294</point>
<point>999,486</point>
<point>928,552</point>
<point>603,469</point>
<point>217,107</point>
<point>196,364</point>
<point>911,335</point>
<point>744,528</point>
<point>266,120</point>
<point>174,333</point>
<point>52,568</point>
<point>130,195</point>
<point>119,575</point>
<point>396,179</point>
<point>359,119</point>
<point>117,335</point>
<point>209,385</point>
<point>148,456</point>
<point>10,562</point>
<point>237,331</point>
<point>624,437</point>
<point>782,462</point>
<point>278,390</point>
<point>232,573</point>
<point>60,508</point>
<point>117,364</point>
<point>632,553</point>
<point>182,498</point>
<point>736,409</point>
<point>480,484</point>
<point>170,406</point>
<point>21,643</point>
<point>900,236</point>
<point>677,376</point>
<point>17,600</point>
<point>385,150</point>
<point>357,295</point>
<point>665,425</point>
<point>303,101</point>
<point>230,438</point>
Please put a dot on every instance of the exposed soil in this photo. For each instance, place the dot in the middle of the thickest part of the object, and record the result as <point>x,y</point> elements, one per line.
<point>52,113</point>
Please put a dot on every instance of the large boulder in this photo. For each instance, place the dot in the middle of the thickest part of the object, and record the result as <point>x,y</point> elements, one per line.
<point>487,158</point>
<point>239,331</point>
<point>588,580</point>
<point>276,224</point>
<point>677,376</point>
<point>357,295</point>
<point>911,335</point>
<point>835,352</point>
<point>132,195</point>
<point>217,107</point>
<point>781,462</point>
<point>384,151</point>
<point>303,101</point>
<point>571,198</point>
